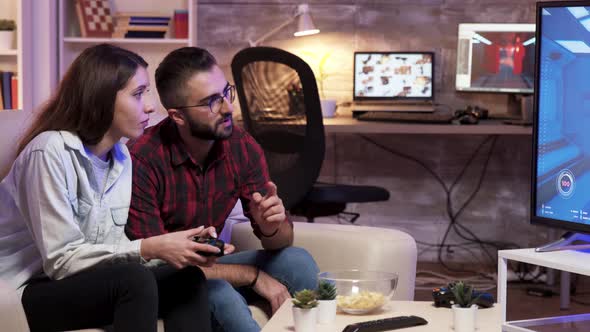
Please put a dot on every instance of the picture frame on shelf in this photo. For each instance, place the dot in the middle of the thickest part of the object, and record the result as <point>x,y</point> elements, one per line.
<point>94,17</point>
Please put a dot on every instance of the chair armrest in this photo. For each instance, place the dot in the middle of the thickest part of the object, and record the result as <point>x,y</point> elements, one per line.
<point>12,314</point>
<point>337,247</point>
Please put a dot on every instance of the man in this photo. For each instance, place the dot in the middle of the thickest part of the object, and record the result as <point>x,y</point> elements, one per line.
<point>191,169</point>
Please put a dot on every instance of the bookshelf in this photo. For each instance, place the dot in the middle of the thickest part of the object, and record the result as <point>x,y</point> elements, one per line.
<point>17,58</point>
<point>153,50</point>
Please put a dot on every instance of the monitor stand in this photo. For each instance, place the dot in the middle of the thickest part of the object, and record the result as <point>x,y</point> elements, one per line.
<point>566,242</point>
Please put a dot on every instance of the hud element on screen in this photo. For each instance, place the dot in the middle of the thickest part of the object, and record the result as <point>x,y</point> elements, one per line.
<point>565,183</point>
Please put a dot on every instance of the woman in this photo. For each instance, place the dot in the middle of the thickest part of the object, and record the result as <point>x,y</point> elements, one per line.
<point>64,206</point>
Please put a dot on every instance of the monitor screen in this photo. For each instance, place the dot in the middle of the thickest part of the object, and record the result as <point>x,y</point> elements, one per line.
<point>561,154</point>
<point>393,76</point>
<point>496,58</point>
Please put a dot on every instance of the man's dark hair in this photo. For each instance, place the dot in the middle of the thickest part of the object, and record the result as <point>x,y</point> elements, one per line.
<point>175,71</point>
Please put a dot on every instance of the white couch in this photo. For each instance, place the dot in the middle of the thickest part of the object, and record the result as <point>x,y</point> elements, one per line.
<point>333,247</point>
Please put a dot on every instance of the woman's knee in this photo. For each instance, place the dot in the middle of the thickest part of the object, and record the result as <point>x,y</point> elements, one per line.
<point>136,281</point>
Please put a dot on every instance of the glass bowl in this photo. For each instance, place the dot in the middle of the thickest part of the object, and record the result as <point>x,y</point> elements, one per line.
<point>360,292</point>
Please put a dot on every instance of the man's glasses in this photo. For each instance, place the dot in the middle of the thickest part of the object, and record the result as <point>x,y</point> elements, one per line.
<point>215,102</point>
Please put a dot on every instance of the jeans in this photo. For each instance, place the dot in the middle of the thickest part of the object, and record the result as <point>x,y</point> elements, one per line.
<point>292,266</point>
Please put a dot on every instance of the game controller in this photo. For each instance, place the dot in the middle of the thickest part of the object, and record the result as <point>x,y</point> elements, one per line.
<point>212,242</point>
<point>443,297</point>
<point>471,114</point>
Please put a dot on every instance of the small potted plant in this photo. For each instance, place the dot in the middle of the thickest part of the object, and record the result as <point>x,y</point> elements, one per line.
<point>305,311</point>
<point>7,28</point>
<point>464,309</point>
<point>321,75</point>
<point>327,302</point>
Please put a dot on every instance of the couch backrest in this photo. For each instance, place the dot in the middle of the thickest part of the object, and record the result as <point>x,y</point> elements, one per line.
<point>12,126</point>
<point>337,247</point>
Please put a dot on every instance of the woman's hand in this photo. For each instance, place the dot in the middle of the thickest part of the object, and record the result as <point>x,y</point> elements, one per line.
<point>179,250</point>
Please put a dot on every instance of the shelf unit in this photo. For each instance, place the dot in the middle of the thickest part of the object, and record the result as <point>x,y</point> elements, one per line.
<point>18,59</point>
<point>70,42</point>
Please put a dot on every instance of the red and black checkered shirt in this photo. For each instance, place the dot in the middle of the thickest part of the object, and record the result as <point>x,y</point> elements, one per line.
<point>171,192</point>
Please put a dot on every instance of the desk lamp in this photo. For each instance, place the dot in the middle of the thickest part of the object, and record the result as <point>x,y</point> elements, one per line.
<point>305,25</point>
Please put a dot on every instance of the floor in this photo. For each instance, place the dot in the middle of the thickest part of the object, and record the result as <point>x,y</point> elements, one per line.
<point>524,306</point>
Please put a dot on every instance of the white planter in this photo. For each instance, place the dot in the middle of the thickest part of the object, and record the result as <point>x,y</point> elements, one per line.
<point>464,318</point>
<point>6,40</point>
<point>328,108</point>
<point>305,319</point>
<point>326,311</point>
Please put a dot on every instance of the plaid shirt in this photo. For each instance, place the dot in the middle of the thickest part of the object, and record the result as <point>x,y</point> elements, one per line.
<point>171,192</point>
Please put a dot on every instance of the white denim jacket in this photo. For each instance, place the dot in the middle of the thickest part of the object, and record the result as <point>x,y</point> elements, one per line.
<point>53,217</point>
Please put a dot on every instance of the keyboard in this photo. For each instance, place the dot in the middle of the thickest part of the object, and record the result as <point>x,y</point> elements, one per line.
<point>386,324</point>
<point>434,117</point>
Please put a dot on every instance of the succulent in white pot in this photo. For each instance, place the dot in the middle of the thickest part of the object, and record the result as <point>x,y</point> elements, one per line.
<point>305,311</point>
<point>7,31</point>
<point>327,302</point>
<point>464,309</point>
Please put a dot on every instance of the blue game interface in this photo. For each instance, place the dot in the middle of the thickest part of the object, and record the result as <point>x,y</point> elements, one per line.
<point>563,145</point>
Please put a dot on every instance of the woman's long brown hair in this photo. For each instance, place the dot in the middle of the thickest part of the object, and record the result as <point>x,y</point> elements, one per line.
<point>85,100</point>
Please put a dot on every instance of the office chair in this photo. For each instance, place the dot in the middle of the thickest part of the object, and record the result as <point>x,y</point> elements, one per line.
<point>280,108</point>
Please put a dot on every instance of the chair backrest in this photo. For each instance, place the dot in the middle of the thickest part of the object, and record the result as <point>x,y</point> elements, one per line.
<point>280,108</point>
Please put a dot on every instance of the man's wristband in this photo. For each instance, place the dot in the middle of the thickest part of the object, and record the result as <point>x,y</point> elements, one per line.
<point>253,283</point>
<point>272,234</point>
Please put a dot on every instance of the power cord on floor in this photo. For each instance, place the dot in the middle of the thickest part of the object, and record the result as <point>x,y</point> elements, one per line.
<point>454,225</point>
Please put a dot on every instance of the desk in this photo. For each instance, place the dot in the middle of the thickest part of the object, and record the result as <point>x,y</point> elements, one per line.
<point>346,124</point>
<point>439,319</point>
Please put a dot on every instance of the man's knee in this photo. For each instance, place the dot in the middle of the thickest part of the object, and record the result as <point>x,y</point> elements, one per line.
<point>299,266</point>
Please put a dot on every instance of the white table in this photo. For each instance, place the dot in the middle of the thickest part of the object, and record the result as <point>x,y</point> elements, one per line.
<point>565,260</point>
<point>439,319</point>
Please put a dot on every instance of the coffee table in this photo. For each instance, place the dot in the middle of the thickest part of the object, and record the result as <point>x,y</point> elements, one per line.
<point>439,319</point>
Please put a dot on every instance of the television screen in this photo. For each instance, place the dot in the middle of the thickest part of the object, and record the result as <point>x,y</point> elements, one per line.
<point>561,156</point>
<point>496,58</point>
<point>393,76</point>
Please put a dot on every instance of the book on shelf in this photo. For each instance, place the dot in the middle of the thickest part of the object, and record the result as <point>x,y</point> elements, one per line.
<point>181,23</point>
<point>1,98</point>
<point>141,28</point>
<point>140,25</point>
<point>142,15</point>
<point>94,18</point>
<point>14,91</point>
<point>140,34</point>
<point>6,89</point>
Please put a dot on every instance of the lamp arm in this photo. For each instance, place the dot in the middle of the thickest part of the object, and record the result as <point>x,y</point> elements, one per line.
<point>273,31</point>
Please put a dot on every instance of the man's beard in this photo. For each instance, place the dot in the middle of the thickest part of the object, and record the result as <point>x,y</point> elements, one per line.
<point>204,132</point>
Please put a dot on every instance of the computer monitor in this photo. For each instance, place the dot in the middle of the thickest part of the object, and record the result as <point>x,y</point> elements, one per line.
<point>496,58</point>
<point>561,144</point>
<point>393,76</point>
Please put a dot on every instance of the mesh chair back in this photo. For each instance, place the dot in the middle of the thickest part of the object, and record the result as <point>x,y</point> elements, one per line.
<point>280,108</point>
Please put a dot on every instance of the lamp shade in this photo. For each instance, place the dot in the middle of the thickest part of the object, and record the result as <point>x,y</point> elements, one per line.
<point>305,24</point>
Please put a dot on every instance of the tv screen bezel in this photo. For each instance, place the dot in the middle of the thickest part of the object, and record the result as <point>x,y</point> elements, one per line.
<point>492,27</point>
<point>393,98</point>
<point>534,219</point>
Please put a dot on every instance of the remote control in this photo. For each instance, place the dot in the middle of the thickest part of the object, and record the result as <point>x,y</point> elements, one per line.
<point>212,242</point>
<point>386,324</point>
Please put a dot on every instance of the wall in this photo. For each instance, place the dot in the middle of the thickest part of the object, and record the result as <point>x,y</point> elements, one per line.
<point>418,203</point>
